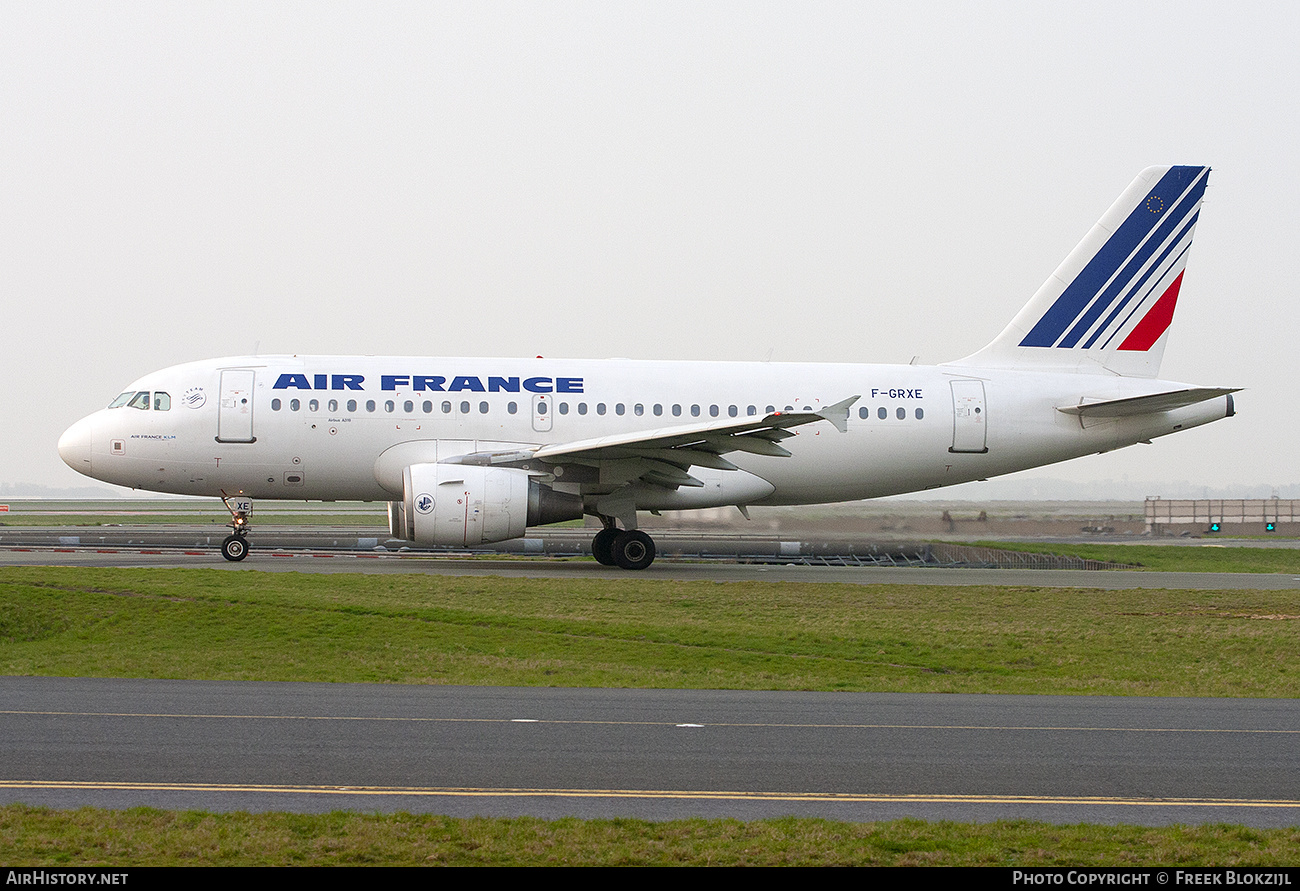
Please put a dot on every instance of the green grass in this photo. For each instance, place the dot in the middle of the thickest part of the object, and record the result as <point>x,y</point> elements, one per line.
<point>631,632</point>
<point>146,837</point>
<point>1169,558</point>
<point>201,623</point>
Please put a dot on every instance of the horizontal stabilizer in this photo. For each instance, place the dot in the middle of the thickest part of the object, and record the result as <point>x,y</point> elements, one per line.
<point>1146,405</point>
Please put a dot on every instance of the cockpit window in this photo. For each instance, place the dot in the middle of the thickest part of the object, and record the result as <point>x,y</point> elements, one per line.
<point>140,399</point>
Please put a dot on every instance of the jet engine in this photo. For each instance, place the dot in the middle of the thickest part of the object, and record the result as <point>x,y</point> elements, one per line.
<point>462,505</point>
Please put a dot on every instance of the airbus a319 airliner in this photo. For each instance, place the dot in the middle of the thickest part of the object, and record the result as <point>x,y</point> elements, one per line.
<point>472,451</point>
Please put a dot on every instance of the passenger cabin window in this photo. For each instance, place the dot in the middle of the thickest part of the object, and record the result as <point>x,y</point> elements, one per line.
<point>409,407</point>
<point>352,405</point>
<point>512,407</point>
<point>314,405</point>
<point>294,404</point>
<point>334,405</point>
<point>275,405</point>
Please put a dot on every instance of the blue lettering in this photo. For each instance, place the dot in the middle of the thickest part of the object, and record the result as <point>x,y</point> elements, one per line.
<point>393,381</point>
<point>466,382</point>
<point>294,381</point>
<point>503,385</point>
<point>425,382</point>
<point>538,385</point>
<point>346,381</point>
<point>320,382</point>
<point>568,385</point>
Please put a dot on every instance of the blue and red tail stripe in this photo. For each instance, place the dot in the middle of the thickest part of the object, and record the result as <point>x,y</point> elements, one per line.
<point>1158,228</point>
<point>1180,244</point>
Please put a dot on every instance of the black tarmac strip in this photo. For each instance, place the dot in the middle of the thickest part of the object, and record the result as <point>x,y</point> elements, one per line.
<point>654,754</point>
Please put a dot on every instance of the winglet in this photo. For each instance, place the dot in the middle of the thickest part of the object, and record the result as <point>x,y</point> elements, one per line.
<point>838,414</point>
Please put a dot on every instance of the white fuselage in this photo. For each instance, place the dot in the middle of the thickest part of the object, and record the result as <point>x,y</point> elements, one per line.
<point>319,427</point>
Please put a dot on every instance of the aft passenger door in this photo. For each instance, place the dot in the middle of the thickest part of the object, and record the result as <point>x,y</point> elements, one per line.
<point>969,418</point>
<point>235,410</point>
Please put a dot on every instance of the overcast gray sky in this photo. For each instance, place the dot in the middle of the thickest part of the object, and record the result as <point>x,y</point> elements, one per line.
<point>854,182</point>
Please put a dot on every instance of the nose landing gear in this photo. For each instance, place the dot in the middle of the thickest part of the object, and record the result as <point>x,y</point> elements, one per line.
<point>235,546</point>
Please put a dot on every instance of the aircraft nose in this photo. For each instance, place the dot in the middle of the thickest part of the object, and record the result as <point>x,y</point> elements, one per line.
<point>74,446</point>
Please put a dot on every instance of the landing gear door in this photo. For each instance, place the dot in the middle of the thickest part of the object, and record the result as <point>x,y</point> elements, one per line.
<point>235,414</point>
<point>969,418</point>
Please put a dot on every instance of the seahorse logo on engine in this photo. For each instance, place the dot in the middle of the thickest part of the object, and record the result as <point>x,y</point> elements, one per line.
<point>424,503</point>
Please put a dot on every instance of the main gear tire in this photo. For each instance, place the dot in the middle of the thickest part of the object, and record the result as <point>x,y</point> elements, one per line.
<point>633,549</point>
<point>602,546</point>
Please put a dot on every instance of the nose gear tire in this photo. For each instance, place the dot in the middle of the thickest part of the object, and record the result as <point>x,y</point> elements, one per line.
<point>234,548</point>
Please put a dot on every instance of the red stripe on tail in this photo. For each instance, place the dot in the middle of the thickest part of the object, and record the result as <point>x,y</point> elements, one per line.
<point>1155,322</point>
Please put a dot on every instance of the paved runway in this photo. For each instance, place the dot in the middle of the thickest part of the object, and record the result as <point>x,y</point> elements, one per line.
<point>284,561</point>
<point>656,754</point>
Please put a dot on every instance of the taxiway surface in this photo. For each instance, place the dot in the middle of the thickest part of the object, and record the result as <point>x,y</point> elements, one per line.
<point>656,754</point>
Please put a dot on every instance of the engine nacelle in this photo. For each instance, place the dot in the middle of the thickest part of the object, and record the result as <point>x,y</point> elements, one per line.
<point>462,505</point>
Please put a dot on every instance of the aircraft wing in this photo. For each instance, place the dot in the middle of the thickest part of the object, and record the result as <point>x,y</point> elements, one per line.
<point>662,456</point>
<point>1142,405</point>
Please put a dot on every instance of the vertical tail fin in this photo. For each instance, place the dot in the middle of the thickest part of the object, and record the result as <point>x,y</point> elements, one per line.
<point>1108,306</point>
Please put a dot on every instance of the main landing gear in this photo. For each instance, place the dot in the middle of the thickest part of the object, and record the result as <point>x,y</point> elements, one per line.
<point>235,547</point>
<point>624,548</point>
